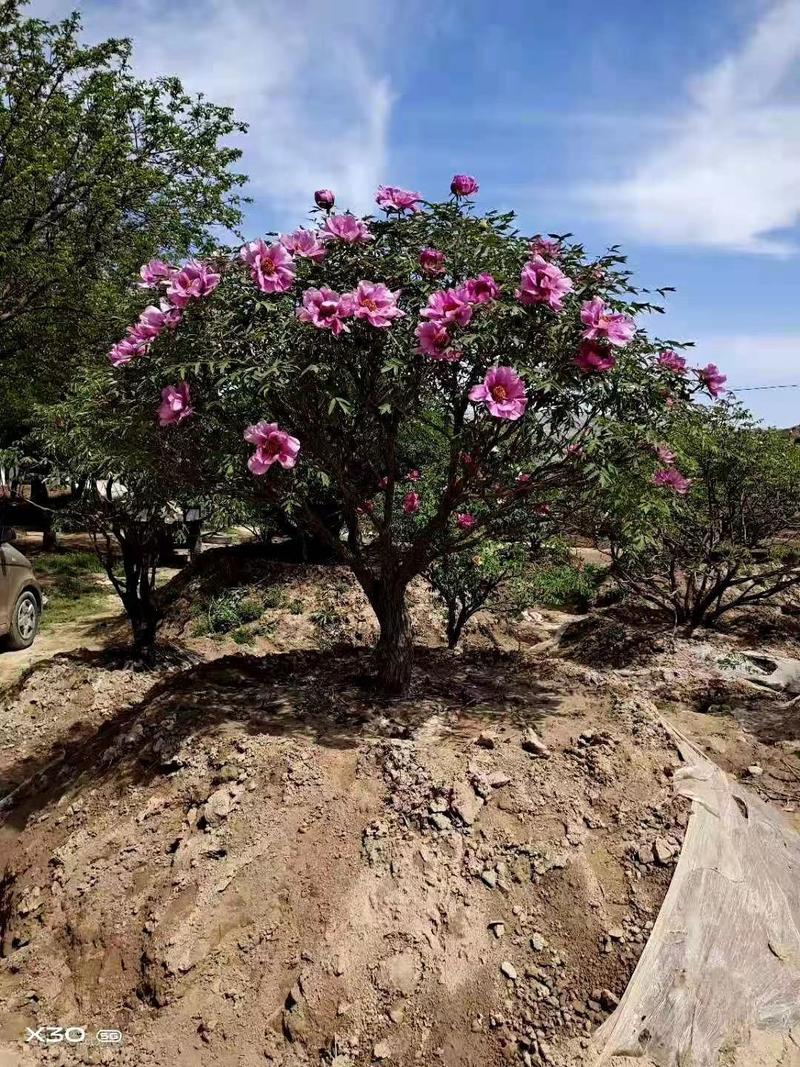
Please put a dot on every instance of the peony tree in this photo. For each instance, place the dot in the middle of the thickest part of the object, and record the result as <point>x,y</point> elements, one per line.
<point>444,377</point>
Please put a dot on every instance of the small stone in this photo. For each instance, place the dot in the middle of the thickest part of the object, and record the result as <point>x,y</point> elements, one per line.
<point>486,739</point>
<point>382,1051</point>
<point>616,933</point>
<point>465,804</point>
<point>538,943</point>
<point>645,854</point>
<point>441,822</point>
<point>532,743</point>
<point>497,779</point>
<point>608,999</point>
<point>217,807</point>
<point>508,970</point>
<point>489,877</point>
<point>344,1008</point>
<point>663,851</point>
<point>397,1013</point>
<point>498,928</point>
<point>755,770</point>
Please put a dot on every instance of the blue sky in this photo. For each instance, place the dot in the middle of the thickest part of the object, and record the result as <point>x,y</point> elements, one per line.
<point>672,129</point>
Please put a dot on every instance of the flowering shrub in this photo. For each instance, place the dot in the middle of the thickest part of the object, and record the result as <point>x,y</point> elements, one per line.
<point>700,544</point>
<point>495,367</point>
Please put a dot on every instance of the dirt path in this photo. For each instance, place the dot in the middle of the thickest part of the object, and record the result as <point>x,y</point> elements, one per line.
<point>90,632</point>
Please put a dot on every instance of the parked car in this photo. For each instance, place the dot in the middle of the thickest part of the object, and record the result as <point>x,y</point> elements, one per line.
<point>20,595</point>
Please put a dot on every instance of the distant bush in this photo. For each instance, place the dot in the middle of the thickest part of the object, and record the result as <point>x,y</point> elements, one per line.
<point>560,586</point>
<point>708,543</point>
<point>469,581</point>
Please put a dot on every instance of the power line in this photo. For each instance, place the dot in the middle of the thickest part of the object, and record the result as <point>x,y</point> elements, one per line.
<point>753,388</point>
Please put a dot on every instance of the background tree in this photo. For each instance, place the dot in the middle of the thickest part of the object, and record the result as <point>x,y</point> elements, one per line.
<point>357,342</point>
<point>469,581</point>
<point>136,483</point>
<point>99,171</point>
<point>696,533</point>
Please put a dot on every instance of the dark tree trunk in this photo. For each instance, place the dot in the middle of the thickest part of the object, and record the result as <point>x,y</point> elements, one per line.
<point>194,539</point>
<point>41,497</point>
<point>138,560</point>
<point>394,653</point>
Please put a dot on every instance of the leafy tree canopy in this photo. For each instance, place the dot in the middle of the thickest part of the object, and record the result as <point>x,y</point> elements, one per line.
<point>448,379</point>
<point>99,171</point>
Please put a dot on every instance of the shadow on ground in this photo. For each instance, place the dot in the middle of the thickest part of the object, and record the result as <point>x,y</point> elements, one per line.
<point>324,695</point>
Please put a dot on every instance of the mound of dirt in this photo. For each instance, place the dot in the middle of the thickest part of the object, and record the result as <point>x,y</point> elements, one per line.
<point>610,639</point>
<point>316,606</point>
<point>254,861</point>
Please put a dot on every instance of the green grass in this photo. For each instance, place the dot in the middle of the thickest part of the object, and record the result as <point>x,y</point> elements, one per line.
<point>559,586</point>
<point>69,581</point>
<point>228,611</point>
<point>58,565</point>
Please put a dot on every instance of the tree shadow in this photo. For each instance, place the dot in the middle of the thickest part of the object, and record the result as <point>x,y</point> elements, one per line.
<point>326,696</point>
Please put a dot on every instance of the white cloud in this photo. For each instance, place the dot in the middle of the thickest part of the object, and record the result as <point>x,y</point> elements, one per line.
<point>760,360</point>
<point>753,359</point>
<point>300,72</point>
<point>729,175</point>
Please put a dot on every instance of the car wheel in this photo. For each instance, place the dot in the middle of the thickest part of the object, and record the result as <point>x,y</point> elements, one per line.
<point>24,621</point>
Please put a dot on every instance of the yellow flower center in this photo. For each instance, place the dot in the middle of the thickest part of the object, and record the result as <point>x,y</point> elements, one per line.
<point>499,392</point>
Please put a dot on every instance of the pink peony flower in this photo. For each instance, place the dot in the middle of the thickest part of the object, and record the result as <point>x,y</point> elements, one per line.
<point>574,450</point>
<point>545,248</point>
<point>523,479</point>
<point>383,483</point>
<point>411,502</point>
<point>503,392</point>
<point>375,303</point>
<point>463,185</point>
<point>465,521</point>
<point>273,445</point>
<point>271,266</point>
<point>711,378</point>
<point>124,351</point>
<point>324,198</point>
<point>192,282</point>
<point>305,244</point>
<point>154,273</point>
<point>594,358</point>
<point>153,320</point>
<point>448,306</point>
<point>413,475</point>
<point>175,404</point>
<point>543,510</point>
<point>670,478</point>
<point>139,334</point>
<point>604,325</point>
<point>345,228</point>
<point>670,360</point>
<point>434,341</point>
<point>431,260</point>
<point>543,283</point>
<point>390,198</point>
<point>664,455</point>
<point>326,310</point>
<point>481,290</point>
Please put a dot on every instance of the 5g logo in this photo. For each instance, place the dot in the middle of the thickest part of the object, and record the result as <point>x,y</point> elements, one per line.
<point>71,1035</point>
<point>54,1035</point>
